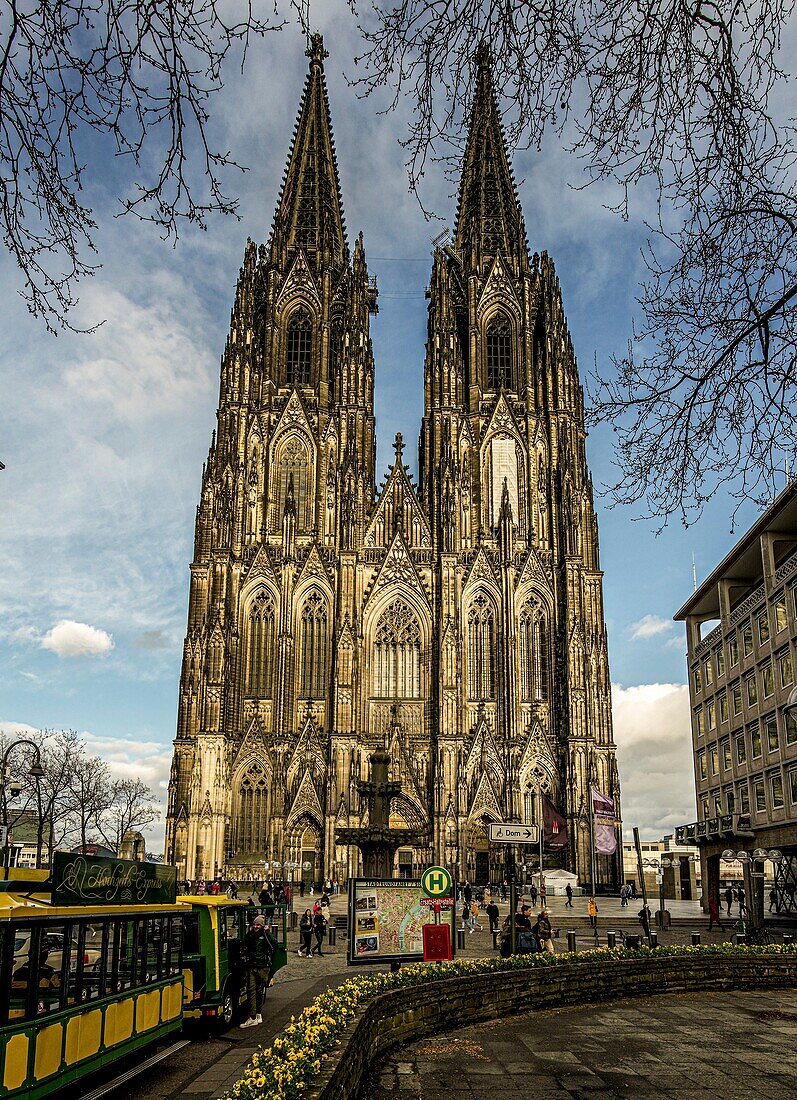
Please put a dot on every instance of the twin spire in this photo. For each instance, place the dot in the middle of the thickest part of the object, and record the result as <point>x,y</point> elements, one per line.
<point>310,210</point>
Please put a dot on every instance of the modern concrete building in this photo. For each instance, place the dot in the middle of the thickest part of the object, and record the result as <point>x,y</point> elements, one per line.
<point>741,630</point>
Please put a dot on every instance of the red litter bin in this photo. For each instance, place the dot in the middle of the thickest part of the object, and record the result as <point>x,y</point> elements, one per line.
<point>437,943</point>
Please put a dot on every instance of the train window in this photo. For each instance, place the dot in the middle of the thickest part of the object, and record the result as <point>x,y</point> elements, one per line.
<point>176,933</point>
<point>191,934</point>
<point>231,923</point>
<point>74,941</point>
<point>36,971</point>
<point>154,951</point>
<point>126,970</point>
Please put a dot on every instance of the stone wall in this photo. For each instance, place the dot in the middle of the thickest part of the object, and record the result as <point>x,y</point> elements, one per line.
<point>404,1015</point>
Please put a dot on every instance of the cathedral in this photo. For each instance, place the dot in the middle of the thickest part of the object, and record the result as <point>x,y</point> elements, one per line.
<point>456,622</point>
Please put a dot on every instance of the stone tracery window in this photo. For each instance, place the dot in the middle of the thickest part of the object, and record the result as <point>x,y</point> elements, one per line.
<point>313,647</point>
<point>534,652</point>
<point>498,353</point>
<point>251,820</point>
<point>397,654</point>
<point>260,648</point>
<point>481,648</point>
<point>293,460</point>
<point>299,348</point>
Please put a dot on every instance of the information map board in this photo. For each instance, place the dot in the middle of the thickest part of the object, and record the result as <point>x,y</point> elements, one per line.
<point>386,919</point>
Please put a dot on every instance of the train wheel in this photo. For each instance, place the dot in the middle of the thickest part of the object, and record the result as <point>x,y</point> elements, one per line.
<point>227,1011</point>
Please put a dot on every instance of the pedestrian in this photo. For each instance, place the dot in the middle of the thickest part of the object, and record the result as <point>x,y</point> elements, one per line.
<point>741,899</point>
<point>301,888</point>
<point>466,916</point>
<point>544,933</point>
<point>306,934</point>
<point>492,916</point>
<point>533,894</point>
<point>525,940</point>
<point>773,901</point>
<point>714,914</point>
<point>324,900</point>
<point>335,884</point>
<point>644,919</point>
<point>319,930</point>
<point>623,896</point>
<point>467,893</point>
<point>215,888</point>
<point>474,917</point>
<point>264,897</point>
<point>504,885</point>
<point>569,892</point>
<point>543,892</point>
<point>729,899</point>
<point>232,890</point>
<point>258,955</point>
<point>592,913</point>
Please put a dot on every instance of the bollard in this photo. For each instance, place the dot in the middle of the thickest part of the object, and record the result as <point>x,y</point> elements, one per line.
<point>460,939</point>
<point>332,933</point>
<point>494,934</point>
<point>611,939</point>
<point>571,941</point>
<point>695,939</point>
<point>787,939</point>
<point>654,939</point>
<point>294,921</point>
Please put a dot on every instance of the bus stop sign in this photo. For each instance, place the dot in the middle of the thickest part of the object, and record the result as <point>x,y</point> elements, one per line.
<point>436,883</point>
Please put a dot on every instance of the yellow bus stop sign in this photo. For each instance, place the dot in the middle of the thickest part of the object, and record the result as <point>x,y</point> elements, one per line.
<point>436,882</point>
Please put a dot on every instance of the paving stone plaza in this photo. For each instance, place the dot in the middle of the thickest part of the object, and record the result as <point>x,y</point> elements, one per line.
<point>732,1046</point>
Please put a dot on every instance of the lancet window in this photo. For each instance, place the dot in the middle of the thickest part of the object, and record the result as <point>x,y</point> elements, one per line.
<point>481,648</point>
<point>534,652</point>
<point>260,663</point>
<point>252,816</point>
<point>313,647</point>
<point>294,460</point>
<point>498,349</point>
<point>397,654</point>
<point>299,349</point>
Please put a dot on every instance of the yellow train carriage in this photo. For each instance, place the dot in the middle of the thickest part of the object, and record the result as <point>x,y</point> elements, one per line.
<point>82,985</point>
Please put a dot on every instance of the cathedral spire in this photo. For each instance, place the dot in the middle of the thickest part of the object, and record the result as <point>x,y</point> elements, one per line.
<point>310,210</point>
<point>488,214</point>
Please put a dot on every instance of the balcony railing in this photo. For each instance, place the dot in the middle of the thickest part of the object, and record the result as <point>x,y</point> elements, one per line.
<point>712,828</point>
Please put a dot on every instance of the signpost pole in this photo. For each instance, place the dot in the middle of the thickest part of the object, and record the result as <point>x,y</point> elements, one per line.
<point>541,826</point>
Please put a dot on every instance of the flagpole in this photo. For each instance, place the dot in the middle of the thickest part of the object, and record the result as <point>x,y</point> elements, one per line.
<point>591,834</point>
<point>542,827</point>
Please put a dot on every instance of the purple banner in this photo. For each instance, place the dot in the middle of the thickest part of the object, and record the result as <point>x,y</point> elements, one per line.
<point>554,832</point>
<point>605,828</point>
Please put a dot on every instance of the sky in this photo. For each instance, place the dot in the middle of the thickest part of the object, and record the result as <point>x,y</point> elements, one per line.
<point>104,435</point>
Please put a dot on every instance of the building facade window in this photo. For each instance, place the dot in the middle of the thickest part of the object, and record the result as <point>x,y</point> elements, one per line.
<point>773,741</point>
<point>698,681</point>
<point>743,799</point>
<point>793,786</point>
<point>786,670</point>
<point>715,761</point>
<point>741,750</point>
<point>767,681</point>
<point>763,628</point>
<point>726,755</point>
<point>791,727</point>
<point>251,819</point>
<point>299,349</point>
<point>755,742</point>
<point>498,351</point>
<point>397,654</point>
<point>313,647</point>
<point>481,649</point>
<point>701,763</point>
<point>723,707</point>
<point>736,691</point>
<point>776,791</point>
<point>752,691</point>
<point>709,672</point>
<point>781,618</point>
<point>711,714</point>
<point>534,652</point>
<point>700,721</point>
<point>733,650</point>
<point>747,640</point>
<point>260,650</point>
<point>719,657</point>
<point>760,796</point>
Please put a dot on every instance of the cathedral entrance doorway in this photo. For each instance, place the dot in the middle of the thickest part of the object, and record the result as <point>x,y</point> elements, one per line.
<point>482,868</point>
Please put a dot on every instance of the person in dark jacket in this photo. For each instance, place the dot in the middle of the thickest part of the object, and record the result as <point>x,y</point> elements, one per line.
<point>258,954</point>
<point>306,934</point>
<point>569,892</point>
<point>467,893</point>
<point>319,930</point>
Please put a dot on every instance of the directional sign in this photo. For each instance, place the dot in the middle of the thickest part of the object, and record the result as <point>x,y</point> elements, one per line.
<point>436,882</point>
<point>513,834</point>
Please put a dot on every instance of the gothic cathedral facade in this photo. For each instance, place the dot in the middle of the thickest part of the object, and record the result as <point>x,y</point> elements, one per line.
<point>457,622</point>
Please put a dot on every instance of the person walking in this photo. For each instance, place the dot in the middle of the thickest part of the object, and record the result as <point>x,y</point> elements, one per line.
<point>773,900</point>
<point>319,930</point>
<point>543,931</point>
<point>729,899</point>
<point>742,902</point>
<point>467,893</point>
<point>624,896</point>
<point>306,934</point>
<point>644,919</point>
<point>474,917</point>
<point>533,894</point>
<point>525,940</point>
<point>258,954</point>
<point>492,916</point>
<point>543,892</point>
<point>569,892</point>
<point>466,917</point>
<point>714,914</point>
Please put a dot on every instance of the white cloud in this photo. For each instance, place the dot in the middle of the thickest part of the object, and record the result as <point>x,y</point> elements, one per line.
<point>71,639</point>
<point>654,757</point>
<point>649,626</point>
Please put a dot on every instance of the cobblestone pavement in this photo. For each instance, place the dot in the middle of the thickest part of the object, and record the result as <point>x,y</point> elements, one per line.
<point>733,1046</point>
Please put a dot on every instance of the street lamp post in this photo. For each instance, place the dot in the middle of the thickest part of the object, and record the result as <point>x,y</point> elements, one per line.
<point>36,771</point>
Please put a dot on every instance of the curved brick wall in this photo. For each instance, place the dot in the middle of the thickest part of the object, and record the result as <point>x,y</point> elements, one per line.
<point>404,1015</point>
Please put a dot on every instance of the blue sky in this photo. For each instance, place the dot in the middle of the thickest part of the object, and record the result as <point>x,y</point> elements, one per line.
<point>104,435</point>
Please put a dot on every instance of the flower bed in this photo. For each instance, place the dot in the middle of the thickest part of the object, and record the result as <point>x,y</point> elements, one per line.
<point>290,1067</point>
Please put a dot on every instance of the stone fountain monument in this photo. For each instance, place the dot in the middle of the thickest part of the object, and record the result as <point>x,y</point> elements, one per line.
<point>377,841</point>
